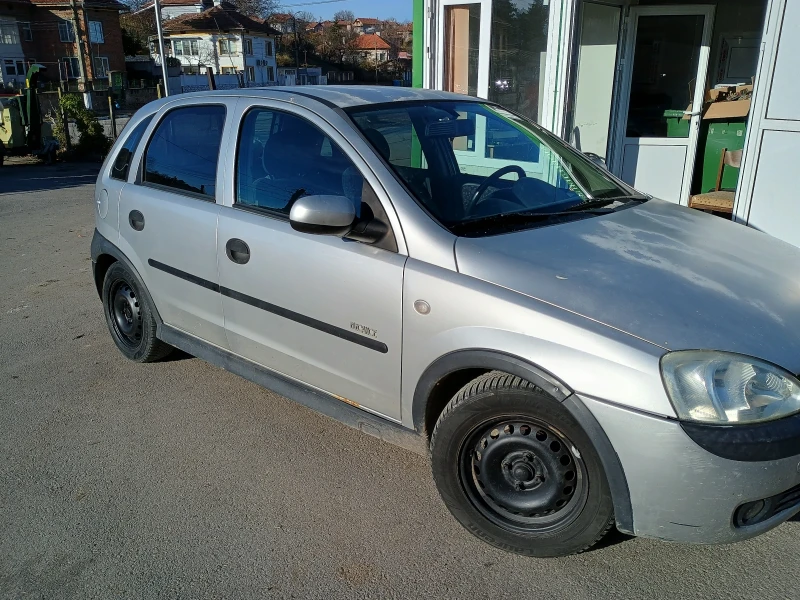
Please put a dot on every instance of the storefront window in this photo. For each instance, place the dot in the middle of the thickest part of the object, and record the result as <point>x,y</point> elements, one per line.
<point>462,33</point>
<point>519,55</point>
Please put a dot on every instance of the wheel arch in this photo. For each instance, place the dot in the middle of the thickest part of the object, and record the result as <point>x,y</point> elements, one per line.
<point>105,254</point>
<point>447,374</point>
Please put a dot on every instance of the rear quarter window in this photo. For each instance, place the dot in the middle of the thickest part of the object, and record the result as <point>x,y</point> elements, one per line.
<point>122,163</point>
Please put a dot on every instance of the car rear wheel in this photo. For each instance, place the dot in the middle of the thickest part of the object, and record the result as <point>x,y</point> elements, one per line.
<point>518,471</point>
<point>129,316</point>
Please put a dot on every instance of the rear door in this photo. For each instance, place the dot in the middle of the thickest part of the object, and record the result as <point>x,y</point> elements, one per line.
<point>168,215</point>
<point>322,310</point>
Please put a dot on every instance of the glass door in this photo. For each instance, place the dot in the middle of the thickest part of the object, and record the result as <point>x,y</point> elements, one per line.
<point>594,70</point>
<point>665,63</point>
<point>463,47</point>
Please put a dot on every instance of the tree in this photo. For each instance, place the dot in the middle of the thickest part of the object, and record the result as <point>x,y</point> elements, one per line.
<point>136,31</point>
<point>335,44</point>
<point>344,15</point>
<point>396,34</point>
<point>256,8</point>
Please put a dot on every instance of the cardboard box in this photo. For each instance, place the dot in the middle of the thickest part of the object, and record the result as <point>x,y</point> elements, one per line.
<point>716,107</point>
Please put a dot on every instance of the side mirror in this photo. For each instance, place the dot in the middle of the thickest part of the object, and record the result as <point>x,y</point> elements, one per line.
<point>323,215</point>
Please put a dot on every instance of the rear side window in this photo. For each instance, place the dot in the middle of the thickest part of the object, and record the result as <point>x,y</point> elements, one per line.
<point>122,164</point>
<point>184,150</point>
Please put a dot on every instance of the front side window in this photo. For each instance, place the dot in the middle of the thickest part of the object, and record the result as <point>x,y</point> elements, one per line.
<point>27,32</point>
<point>96,32</point>
<point>270,74</point>
<point>66,33</point>
<point>122,164</point>
<point>283,157</point>
<point>269,48</point>
<point>248,46</point>
<point>475,165</point>
<point>184,150</point>
<point>251,73</point>
<point>11,69</point>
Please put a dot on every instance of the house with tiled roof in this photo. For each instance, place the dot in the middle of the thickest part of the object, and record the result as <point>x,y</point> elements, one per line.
<point>282,22</point>
<point>45,32</point>
<point>364,25</point>
<point>371,47</point>
<point>225,40</point>
<point>175,8</point>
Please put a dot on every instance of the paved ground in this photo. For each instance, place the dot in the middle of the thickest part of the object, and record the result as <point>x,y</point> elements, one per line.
<point>179,480</point>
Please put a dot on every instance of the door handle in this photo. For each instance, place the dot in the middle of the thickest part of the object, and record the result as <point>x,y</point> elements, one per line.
<point>136,220</point>
<point>238,251</point>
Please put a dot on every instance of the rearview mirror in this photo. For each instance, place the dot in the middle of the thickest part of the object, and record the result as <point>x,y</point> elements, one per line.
<point>323,215</point>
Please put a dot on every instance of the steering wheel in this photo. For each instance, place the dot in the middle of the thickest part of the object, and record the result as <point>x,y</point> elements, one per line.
<point>476,197</point>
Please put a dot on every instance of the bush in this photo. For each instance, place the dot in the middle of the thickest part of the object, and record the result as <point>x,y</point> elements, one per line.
<point>91,140</point>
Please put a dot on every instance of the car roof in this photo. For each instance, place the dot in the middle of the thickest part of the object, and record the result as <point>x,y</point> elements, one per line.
<point>341,96</point>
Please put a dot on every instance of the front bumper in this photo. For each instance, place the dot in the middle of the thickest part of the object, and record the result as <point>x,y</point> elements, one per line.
<point>682,492</point>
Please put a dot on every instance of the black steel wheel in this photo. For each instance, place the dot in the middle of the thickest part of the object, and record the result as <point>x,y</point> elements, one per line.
<point>518,471</point>
<point>129,316</point>
<point>522,474</point>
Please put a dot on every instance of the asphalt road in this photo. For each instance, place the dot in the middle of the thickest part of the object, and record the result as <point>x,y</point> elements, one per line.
<point>180,480</point>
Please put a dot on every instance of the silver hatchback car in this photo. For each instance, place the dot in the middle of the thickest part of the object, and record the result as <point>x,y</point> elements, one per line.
<point>435,270</point>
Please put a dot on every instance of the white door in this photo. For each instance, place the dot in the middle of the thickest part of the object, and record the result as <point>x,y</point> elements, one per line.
<point>663,86</point>
<point>463,45</point>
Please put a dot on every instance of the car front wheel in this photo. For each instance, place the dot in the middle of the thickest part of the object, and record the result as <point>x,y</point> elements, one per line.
<point>516,469</point>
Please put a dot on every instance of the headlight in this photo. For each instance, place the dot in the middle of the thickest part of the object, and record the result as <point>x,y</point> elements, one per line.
<point>725,388</point>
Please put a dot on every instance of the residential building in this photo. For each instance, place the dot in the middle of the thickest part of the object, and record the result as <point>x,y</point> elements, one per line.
<point>364,25</point>
<point>372,48</point>
<point>282,22</point>
<point>71,41</point>
<point>224,39</point>
<point>659,90</point>
<point>175,8</point>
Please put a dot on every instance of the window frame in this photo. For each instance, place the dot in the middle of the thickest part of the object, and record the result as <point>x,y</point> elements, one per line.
<point>227,42</point>
<point>247,46</point>
<point>106,66</point>
<point>10,30</point>
<point>94,27</point>
<point>67,60</point>
<point>27,31</point>
<point>66,30</point>
<point>251,73</point>
<point>147,120</point>
<point>140,172</point>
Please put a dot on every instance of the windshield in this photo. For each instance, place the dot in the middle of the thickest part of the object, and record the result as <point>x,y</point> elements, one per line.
<point>471,163</point>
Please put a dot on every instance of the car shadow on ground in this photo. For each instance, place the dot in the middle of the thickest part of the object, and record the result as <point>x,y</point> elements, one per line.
<point>21,177</point>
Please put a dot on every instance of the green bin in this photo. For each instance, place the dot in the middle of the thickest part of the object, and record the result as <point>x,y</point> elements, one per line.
<point>714,136</point>
<point>677,126</point>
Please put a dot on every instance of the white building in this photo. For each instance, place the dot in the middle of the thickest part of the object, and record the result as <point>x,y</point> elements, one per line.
<point>175,8</point>
<point>12,59</point>
<point>224,39</point>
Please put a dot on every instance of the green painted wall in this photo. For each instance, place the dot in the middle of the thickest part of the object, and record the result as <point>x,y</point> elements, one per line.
<point>419,44</point>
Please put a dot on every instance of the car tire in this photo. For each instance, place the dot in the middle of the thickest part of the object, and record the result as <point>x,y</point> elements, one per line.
<point>517,470</point>
<point>129,316</point>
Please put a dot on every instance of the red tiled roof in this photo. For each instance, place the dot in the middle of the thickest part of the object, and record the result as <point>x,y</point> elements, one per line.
<point>219,18</point>
<point>279,18</point>
<point>368,21</point>
<point>370,41</point>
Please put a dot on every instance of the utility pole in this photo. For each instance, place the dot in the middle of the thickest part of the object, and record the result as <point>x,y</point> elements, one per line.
<point>87,95</point>
<point>164,72</point>
<point>296,46</point>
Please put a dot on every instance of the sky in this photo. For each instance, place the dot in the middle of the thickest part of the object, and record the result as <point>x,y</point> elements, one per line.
<point>379,9</point>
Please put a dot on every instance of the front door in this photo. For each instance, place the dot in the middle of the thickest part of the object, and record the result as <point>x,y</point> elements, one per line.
<point>663,87</point>
<point>322,310</point>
